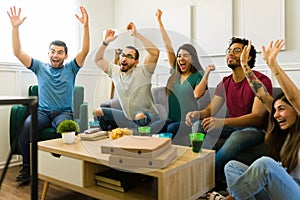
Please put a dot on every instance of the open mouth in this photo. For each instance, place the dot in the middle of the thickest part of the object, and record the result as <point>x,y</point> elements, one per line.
<point>55,61</point>
<point>281,122</point>
<point>124,64</point>
<point>182,65</point>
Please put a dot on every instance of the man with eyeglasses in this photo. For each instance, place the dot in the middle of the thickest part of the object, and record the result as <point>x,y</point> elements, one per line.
<point>132,83</point>
<point>247,119</point>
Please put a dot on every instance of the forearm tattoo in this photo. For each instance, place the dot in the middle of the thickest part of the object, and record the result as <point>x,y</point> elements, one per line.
<point>254,82</point>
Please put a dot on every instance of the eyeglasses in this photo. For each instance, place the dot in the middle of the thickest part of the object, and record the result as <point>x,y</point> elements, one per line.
<point>234,51</point>
<point>129,56</point>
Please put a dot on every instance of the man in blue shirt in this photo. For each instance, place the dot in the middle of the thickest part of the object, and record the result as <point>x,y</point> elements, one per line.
<point>56,82</point>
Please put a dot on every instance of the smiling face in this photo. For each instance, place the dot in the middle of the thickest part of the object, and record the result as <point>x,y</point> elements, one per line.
<point>57,56</point>
<point>233,55</point>
<point>285,115</point>
<point>184,60</point>
<point>127,60</point>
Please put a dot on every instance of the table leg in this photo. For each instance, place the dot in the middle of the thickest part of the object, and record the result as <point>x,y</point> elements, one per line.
<point>45,190</point>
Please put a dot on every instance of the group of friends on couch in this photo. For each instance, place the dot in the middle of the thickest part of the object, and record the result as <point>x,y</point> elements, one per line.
<point>254,116</point>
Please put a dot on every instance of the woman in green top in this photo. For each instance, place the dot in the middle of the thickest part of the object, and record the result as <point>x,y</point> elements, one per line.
<point>186,84</point>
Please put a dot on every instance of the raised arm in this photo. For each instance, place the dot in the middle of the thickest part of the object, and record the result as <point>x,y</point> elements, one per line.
<point>288,87</point>
<point>257,86</point>
<point>99,55</point>
<point>201,87</point>
<point>153,52</point>
<point>168,44</point>
<point>85,46</point>
<point>16,21</point>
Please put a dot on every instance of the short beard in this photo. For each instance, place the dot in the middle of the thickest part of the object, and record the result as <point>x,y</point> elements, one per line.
<point>232,66</point>
<point>124,70</point>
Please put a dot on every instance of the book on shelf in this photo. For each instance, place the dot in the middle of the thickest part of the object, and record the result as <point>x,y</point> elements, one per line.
<point>119,178</point>
<point>160,161</point>
<point>124,188</point>
<point>136,146</point>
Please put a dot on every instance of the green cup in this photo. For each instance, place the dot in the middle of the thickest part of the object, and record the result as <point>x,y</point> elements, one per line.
<point>196,141</point>
<point>144,130</point>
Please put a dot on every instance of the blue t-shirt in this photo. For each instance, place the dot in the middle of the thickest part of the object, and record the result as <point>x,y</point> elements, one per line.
<point>56,86</point>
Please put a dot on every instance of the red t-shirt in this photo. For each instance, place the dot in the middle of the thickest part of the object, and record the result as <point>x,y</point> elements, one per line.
<point>239,97</point>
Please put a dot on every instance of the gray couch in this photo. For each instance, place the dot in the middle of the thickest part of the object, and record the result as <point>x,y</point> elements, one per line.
<point>161,102</point>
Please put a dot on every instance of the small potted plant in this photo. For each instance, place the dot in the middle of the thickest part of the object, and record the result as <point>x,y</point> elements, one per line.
<point>68,129</point>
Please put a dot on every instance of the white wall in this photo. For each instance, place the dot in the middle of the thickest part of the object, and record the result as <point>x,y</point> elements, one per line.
<point>106,14</point>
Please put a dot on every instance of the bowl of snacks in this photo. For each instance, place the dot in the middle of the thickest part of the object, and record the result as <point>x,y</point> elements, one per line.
<point>119,132</point>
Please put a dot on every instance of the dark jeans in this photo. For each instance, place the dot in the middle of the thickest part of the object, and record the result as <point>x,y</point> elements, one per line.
<point>179,130</point>
<point>45,119</point>
<point>114,118</point>
<point>237,139</point>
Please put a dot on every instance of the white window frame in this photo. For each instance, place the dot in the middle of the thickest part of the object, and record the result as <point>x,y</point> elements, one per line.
<point>46,20</point>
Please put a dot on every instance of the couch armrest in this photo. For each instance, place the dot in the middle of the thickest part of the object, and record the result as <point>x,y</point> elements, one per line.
<point>16,116</point>
<point>83,117</point>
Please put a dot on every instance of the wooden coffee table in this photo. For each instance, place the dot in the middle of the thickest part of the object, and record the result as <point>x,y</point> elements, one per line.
<point>73,166</point>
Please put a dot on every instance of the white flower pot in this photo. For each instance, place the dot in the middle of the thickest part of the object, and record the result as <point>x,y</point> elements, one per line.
<point>68,137</point>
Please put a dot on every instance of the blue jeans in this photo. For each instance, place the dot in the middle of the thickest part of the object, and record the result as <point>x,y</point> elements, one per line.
<point>237,139</point>
<point>114,118</point>
<point>264,179</point>
<point>171,126</point>
<point>45,119</point>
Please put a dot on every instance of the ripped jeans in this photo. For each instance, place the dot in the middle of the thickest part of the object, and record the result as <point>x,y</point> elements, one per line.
<point>264,179</point>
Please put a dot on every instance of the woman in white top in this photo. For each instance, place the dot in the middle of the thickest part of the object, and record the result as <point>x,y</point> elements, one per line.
<point>277,176</point>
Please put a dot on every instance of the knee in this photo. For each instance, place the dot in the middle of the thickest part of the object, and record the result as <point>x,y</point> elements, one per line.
<point>230,165</point>
<point>264,163</point>
<point>98,112</point>
<point>142,119</point>
<point>140,115</point>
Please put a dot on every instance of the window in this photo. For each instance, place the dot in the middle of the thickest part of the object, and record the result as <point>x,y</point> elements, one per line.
<point>46,21</point>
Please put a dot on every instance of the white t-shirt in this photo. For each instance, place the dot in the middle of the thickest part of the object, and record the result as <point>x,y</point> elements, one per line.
<point>133,90</point>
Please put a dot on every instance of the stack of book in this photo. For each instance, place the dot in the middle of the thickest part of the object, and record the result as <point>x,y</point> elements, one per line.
<point>119,180</point>
<point>98,135</point>
<point>137,151</point>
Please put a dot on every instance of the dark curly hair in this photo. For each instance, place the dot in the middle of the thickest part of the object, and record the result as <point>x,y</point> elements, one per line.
<point>245,42</point>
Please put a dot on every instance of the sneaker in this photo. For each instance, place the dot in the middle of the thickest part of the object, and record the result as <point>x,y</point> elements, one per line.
<point>24,175</point>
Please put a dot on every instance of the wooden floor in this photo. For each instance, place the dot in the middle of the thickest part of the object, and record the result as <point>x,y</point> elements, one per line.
<point>12,190</point>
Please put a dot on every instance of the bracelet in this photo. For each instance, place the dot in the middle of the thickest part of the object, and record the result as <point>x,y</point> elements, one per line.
<point>104,43</point>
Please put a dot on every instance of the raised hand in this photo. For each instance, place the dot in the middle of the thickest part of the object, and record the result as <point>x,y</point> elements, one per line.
<point>131,27</point>
<point>109,36</point>
<point>158,14</point>
<point>271,53</point>
<point>210,68</point>
<point>84,19</point>
<point>245,54</point>
<point>14,16</point>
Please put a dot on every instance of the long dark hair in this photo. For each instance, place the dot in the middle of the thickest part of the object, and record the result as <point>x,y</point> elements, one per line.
<point>275,139</point>
<point>195,66</point>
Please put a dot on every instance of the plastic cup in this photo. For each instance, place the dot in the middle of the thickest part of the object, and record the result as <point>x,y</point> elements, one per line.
<point>144,130</point>
<point>196,141</point>
<point>165,135</point>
